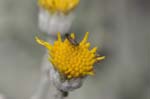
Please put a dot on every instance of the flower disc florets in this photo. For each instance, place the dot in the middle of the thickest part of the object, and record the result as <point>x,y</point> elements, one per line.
<point>72,60</point>
<point>64,6</point>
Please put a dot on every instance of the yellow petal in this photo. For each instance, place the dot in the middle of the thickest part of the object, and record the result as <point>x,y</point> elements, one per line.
<point>90,73</point>
<point>101,58</point>
<point>72,35</point>
<point>85,37</point>
<point>94,50</point>
<point>41,42</point>
<point>59,37</point>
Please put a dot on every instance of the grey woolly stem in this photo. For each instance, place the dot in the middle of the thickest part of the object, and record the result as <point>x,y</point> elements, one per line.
<point>44,84</point>
<point>43,87</point>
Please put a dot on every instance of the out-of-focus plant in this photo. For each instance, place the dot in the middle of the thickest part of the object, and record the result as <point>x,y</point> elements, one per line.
<point>56,15</point>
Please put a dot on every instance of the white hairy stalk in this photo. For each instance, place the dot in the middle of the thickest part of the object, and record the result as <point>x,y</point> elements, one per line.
<point>53,23</point>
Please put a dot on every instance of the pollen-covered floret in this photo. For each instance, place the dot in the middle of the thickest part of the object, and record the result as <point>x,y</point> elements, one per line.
<point>72,61</point>
<point>64,6</point>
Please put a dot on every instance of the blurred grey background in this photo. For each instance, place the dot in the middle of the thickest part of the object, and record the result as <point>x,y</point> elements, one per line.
<point>120,28</point>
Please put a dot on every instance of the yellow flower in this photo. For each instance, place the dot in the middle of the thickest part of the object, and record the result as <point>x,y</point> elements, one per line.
<point>64,6</point>
<point>72,60</point>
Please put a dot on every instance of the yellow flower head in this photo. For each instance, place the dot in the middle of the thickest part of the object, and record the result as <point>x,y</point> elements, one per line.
<point>64,6</point>
<point>70,59</point>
